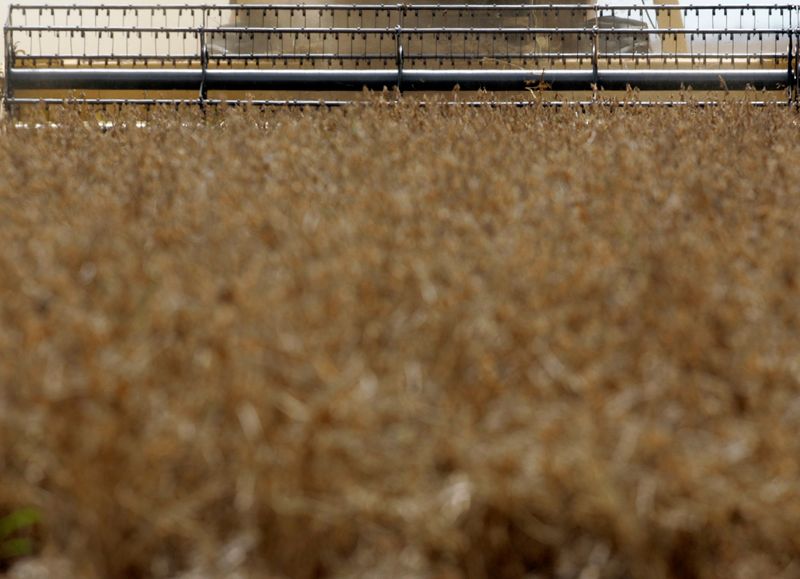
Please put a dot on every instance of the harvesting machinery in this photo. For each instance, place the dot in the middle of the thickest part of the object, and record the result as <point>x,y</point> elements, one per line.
<point>328,53</point>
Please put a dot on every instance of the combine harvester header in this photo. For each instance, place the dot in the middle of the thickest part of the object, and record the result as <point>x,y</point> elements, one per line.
<point>311,53</point>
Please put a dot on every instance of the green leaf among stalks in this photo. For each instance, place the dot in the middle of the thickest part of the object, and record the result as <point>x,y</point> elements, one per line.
<point>17,521</point>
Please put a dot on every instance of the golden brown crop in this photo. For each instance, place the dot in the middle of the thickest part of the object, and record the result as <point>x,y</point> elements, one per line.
<point>387,342</point>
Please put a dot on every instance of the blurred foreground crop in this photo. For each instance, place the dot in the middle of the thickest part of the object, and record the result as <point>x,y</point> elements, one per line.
<point>404,342</point>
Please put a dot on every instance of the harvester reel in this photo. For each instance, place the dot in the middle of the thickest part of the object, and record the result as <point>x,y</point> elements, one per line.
<point>311,53</point>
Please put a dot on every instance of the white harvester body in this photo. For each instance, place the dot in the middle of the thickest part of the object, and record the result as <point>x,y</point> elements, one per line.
<point>687,15</point>
<point>683,16</point>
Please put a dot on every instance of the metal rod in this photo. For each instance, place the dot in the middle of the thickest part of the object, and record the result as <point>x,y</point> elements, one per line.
<point>231,30</point>
<point>8,89</point>
<point>633,7</point>
<point>790,71</point>
<point>413,80</point>
<point>797,70</point>
<point>603,55</point>
<point>107,102</point>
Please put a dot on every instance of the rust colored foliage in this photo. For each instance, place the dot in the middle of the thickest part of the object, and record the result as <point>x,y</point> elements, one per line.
<point>403,342</point>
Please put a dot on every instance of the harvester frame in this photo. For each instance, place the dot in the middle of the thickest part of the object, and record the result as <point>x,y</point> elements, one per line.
<point>304,53</point>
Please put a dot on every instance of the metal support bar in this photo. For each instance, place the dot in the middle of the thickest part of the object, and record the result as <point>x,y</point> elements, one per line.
<point>790,70</point>
<point>426,30</point>
<point>413,80</point>
<point>632,6</point>
<point>112,102</point>
<point>106,79</point>
<point>8,89</point>
<point>796,70</point>
<point>204,66</point>
<point>595,57</point>
<point>399,56</point>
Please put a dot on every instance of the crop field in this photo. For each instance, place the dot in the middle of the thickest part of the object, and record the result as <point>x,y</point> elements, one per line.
<point>394,341</point>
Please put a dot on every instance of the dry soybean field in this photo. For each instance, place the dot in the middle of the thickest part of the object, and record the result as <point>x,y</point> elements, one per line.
<point>393,341</point>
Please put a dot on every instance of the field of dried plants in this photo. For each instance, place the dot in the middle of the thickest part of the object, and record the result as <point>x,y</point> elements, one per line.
<point>403,342</point>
